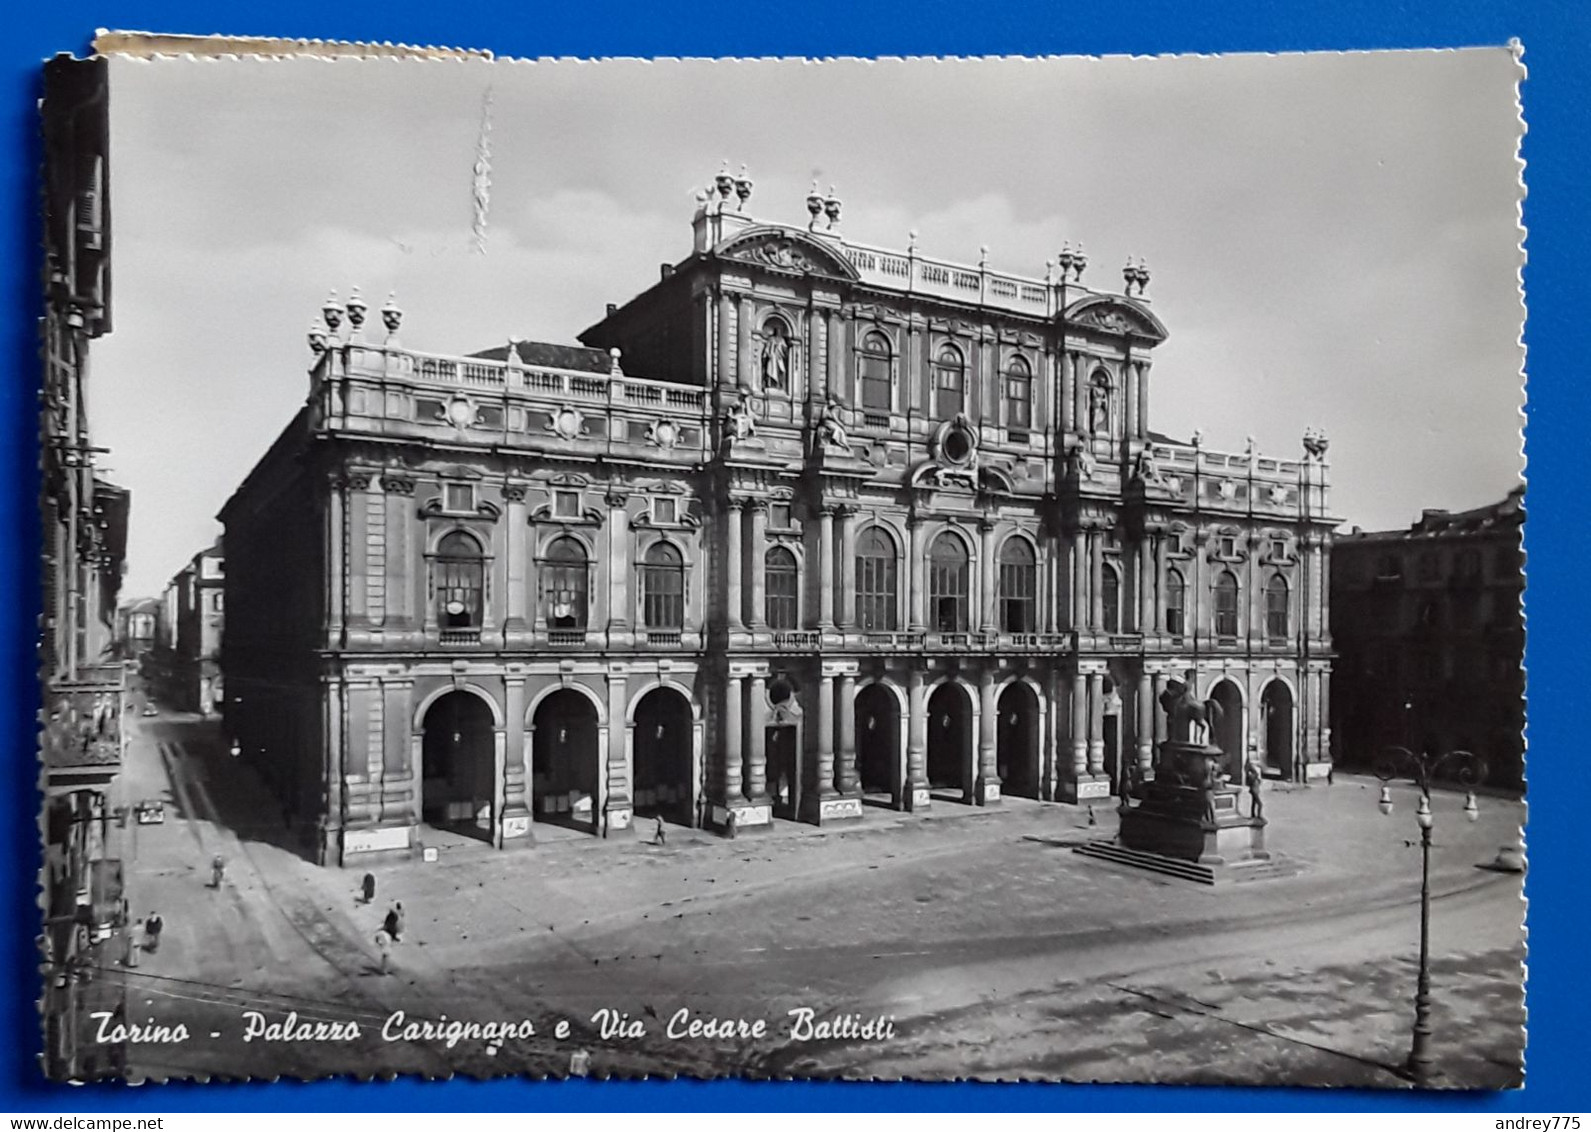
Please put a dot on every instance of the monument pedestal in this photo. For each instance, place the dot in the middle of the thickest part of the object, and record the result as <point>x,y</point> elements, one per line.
<point>1190,815</point>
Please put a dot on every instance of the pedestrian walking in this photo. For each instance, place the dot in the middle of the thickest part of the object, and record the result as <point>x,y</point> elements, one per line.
<point>153,926</point>
<point>659,837</point>
<point>384,949</point>
<point>729,825</point>
<point>369,888</point>
<point>217,870</point>
<point>397,922</point>
<point>1254,780</point>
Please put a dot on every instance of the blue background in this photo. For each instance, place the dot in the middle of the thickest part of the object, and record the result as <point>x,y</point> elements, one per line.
<point>1557,40</point>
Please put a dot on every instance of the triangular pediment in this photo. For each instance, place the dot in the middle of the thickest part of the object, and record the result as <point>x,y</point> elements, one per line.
<point>781,249</point>
<point>1114,314</point>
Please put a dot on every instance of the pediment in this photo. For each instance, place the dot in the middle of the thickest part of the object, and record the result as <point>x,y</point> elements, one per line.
<point>1116,315</point>
<point>781,249</point>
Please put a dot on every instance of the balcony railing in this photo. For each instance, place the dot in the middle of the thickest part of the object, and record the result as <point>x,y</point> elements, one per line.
<point>457,638</point>
<point>894,640</point>
<point>796,639</point>
<point>566,638</point>
<point>668,637</point>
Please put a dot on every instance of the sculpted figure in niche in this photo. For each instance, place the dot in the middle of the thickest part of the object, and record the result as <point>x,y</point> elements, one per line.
<point>1099,406</point>
<point>775,357</point>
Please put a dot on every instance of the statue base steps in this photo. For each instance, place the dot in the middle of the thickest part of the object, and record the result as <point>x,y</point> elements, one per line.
<point>1254,869</point>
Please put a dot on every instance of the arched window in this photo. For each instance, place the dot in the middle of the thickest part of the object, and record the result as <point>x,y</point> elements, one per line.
<point>1176,602</point>
<point>565,577</point>
<point>777,356</point>
<point>1226,605</point>
<point>1110,599</point>
<point>1018,395</point>
<point>460,581</point>
<point>950,383</point>
<point>663,587</point>
<point>781,579</point>
<point>1018,587</point>
<point>874,367</point>
<point>947,584</point>
<point>1276,612</point>
<point>876,601</point>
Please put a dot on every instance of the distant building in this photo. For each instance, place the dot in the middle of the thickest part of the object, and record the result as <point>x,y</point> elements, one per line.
<point>189,620</point>
<point>1430,636</point>
<point>84,521</point>
<point>871,529</point>
<point>137,627</point>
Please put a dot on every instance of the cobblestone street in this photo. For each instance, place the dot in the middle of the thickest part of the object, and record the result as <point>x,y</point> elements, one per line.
<point>996,950</point>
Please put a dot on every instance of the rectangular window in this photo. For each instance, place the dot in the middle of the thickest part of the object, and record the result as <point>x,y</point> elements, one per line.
<point>216,602</point>
<point>875,594</point>
<point>1226,547</point>
<point>779,516</point>
<point>950,397</point>
<point>875,384</point>
<point>1018,403</point>
<point>566,504</point>
<point>663,511</point>
<point>460,497</point>
<point>1278,548</point>
<point>1174,622</point>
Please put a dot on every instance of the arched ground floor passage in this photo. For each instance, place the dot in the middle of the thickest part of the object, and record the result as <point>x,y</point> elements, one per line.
<point>458,766</point>
<point>495,756</point>
<point>566,758</point>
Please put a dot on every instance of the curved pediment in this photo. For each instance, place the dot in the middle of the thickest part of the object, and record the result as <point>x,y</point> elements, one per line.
<point>782,249</point>
<point>1114,314</point>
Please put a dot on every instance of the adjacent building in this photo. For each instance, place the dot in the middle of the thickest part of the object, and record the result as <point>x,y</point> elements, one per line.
<point>807,526</point>
<point>189,619</point>
<point>137,629</point>
<point>1430,628</point>
<point>84,519</point>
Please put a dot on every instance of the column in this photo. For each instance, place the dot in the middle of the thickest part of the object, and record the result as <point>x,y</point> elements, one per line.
<point>914,569</point>
<point>987,621</point>
<point>1096,575</point>
<point>1079,728</point>
<point>847,779</point>
<point>743,359</point>
<point>848,569</point>
<point>1130,395</point>
<point>1079,580</point>
<point>515,816</point>
<point>1143,397</point>
<point>616,804</point>
<point>518,546</point>
<point>916,743</point>
<point>734,733</point>
<point>825,568</point>
<point>1146,724</point>
<point>759,545</point>
<point>756,749</point>
<point>825,769</point>
<point>986,786</point>
<point>736,599</point>
<point>1096,723</point>
<point>816,371</point>
<point>618,562</point>
<point>336,540</point>
<point>1080,394</point>
<point>1066,402</point>
<point>726,341</point>
<point>834,381</point>
<point>1146,586</point>
<point>1162,572</point>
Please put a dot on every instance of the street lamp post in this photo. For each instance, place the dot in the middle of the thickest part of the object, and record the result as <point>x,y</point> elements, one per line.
<point>1467,769</point>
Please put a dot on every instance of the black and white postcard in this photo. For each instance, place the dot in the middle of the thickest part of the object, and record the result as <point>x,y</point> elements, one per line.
<point>937,568</point>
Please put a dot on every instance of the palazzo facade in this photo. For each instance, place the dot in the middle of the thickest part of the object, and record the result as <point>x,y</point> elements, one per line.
<point>871,529</point>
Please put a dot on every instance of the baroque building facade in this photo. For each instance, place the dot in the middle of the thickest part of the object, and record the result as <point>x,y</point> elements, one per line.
<point>1430,629</point>
<point>872,529</point>
<point>84,541</point>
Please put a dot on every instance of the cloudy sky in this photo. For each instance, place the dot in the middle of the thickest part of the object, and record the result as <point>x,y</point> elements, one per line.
<point>1332,237</point>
